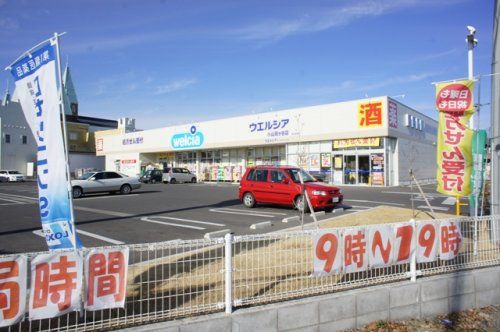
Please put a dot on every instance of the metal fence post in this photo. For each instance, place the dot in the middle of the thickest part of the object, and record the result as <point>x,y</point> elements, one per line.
<point>228,275</point>
<point>413,262</point>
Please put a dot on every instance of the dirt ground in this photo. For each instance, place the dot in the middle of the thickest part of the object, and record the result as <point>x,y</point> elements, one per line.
<point>484,319</point>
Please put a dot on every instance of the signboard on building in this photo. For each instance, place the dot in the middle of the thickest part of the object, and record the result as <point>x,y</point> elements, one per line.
<point>356,142</point>
<point>370,114</point>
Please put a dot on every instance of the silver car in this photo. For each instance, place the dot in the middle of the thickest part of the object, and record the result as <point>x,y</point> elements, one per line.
<point>95,182</point>
<point>11,176</point>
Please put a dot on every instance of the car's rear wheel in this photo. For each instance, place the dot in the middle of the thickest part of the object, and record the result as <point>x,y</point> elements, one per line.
<point>249,200</point>
<point>173,181</point>
<point>300,203</point>
<point>125,189</point>
<point>77,192</point>
<point>193,180</point>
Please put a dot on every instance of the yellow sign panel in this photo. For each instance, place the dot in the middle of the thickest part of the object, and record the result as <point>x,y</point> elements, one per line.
<point>356,142</point>
<point>370,114</point>
<point>454,146</point>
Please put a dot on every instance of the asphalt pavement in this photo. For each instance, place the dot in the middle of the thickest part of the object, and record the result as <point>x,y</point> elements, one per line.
<point>163,212</point>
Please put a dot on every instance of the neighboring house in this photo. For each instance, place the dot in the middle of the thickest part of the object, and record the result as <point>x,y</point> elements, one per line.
<point>18,146</point>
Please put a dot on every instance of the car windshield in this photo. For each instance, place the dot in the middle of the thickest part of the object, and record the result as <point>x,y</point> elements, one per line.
<point>149,172</point>
<point>294,174</point>
<point>14,172</point>
<point>85,176</point>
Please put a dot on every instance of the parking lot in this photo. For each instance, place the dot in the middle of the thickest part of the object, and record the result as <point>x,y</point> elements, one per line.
<point>160,212</point>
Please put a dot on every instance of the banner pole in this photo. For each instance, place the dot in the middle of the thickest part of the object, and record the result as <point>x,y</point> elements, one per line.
<point>63,116</point>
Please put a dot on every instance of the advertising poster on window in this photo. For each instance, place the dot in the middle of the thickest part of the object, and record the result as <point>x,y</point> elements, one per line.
<point>377,169</point>
<point>314,162</point>
<point>454,102</point>
<point>326,160</point>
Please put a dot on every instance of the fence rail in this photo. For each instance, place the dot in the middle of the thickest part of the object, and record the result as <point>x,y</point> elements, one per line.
<point>176,279</point>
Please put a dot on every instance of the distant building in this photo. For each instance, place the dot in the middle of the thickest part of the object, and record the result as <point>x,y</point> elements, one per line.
<point>18,146</point>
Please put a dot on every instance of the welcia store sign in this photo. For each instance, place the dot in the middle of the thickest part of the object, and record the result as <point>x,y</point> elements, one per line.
<point>191,139</point>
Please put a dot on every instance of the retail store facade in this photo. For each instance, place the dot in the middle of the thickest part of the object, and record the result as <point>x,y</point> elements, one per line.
<point>371,141</point>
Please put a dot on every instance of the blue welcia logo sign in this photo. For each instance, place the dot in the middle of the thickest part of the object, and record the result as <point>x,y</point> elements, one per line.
<point>190,140</point>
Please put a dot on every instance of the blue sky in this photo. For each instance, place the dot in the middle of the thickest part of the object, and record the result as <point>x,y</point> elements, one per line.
<point>171,62</point>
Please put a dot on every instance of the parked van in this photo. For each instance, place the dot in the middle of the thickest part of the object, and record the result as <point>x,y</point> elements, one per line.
<point>176,174</point>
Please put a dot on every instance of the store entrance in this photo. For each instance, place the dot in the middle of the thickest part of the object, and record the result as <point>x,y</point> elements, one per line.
<point>364,169</point>
<point>350,170</point>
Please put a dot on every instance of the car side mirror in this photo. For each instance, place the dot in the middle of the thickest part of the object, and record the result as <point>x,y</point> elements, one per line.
<point>285,181</point>
<point>92,179</point>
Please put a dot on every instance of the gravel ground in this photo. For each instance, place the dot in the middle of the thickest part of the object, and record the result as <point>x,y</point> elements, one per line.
<point>484,319</point>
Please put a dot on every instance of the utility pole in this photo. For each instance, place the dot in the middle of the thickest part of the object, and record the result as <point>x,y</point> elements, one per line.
<point>495,126</point>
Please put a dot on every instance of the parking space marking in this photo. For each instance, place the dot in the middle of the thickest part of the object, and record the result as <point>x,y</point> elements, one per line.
<point>79,231</point>
<point>376,202</point>
<point>248,211</point>
<point>438,208</point>
<point>243,213</point>
<point>105,212</point>
<point>191,221</point>
<point>16,199</point>
<point>86,198</point>
<point>147,219</point>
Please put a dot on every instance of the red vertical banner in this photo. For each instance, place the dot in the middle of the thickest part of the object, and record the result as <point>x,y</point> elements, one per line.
<point>380,245</point>
<point>106,278</point>
<point>404,242</point>
<point>427,241</point>
<point>450,240</point>
<point>355,250</point>
<point>56,284</point>
<point>327,251</point>
<point>12,289</point>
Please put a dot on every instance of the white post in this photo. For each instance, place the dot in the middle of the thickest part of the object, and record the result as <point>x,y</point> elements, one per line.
<point>63,116</point>
<point>413,262</point>
<point>228,278</point>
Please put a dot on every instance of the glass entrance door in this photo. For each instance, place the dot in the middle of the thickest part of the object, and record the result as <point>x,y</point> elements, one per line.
<point>350,170</point>
<point>364,169</point>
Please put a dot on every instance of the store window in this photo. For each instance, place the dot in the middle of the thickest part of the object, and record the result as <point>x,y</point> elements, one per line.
<point>7,138</point>
<point>24,139</point>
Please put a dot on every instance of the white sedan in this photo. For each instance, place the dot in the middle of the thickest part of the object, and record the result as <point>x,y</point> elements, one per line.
<point>95,182</point>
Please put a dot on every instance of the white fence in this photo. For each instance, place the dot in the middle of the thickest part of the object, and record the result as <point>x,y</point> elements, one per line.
<point>176,279</point>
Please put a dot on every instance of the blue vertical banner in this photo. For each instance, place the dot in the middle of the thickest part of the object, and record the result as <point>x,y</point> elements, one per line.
<point>36,83</point>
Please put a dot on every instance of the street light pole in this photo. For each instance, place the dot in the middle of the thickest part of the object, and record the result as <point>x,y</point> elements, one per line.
<point>471,43</point>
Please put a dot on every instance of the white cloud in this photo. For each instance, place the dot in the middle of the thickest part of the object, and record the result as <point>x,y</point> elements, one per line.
<point>175,86</point>
<point>360,87</point>
<point>276,29</point>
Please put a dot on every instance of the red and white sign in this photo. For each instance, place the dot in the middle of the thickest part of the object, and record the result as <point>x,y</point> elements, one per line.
<point>355,251</point>
<point>451,240</point>
<point>404,242</point>
<point>328,253</point>
<point>427,241</point>
<point>12,289</point>
<point>384,245</point>
<point>454,97</point>
<point>381,242</point>
<point>56,284</point>
<point>106,277</point>
<point>128,161</point>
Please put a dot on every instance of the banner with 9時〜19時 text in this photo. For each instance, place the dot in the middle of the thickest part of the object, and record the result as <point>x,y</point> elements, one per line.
<point>36,86</point>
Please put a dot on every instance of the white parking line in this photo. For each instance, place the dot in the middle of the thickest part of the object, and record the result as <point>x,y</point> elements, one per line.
<point>376,202</point>
<point>86,198</point>
<point>79,231</point>
<point>248,211</point>
<point>192,221</point>
<point>413,193</point>
<point>170,224</point>
<point>243,213</point>
<point>437,208</point>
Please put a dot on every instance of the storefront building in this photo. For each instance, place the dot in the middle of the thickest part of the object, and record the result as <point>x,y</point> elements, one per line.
<point>373,141</point>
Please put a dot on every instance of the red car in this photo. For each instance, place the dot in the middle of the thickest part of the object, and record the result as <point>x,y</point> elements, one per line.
<point>281,185</point>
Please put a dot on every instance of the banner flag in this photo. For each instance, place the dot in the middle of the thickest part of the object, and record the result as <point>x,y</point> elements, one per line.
<point>36,85</point>
<point>327,255</point>
<point>454,101</point>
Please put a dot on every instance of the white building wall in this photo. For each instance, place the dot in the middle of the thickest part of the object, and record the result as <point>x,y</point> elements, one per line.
<point>15,155</point>
<point>126,163</point>
<point>418,156</point>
